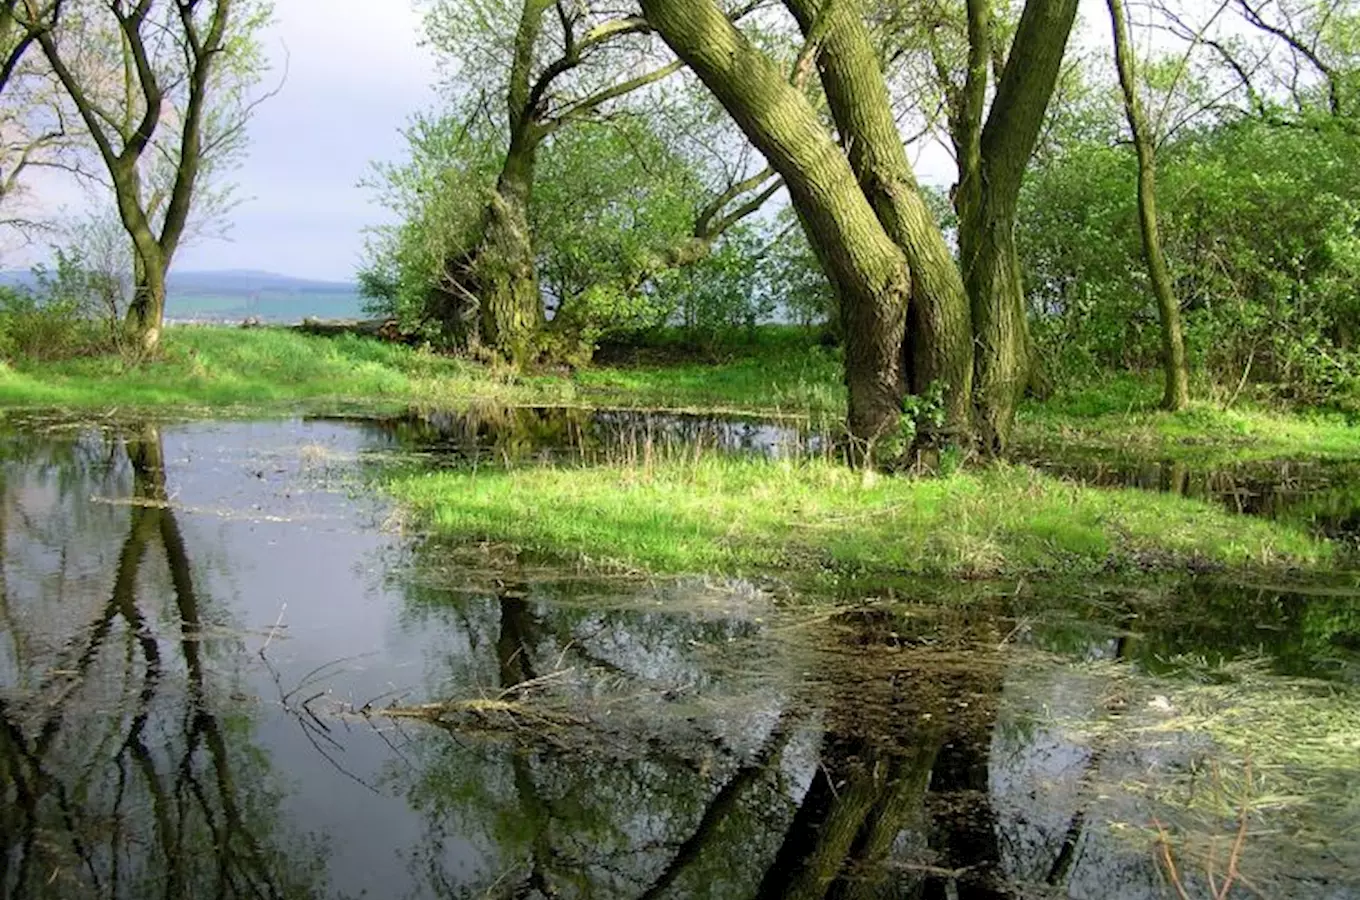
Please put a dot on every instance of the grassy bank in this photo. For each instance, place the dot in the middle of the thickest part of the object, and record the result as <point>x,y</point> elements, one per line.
<point>744,515</point>
<point>1122,415</point>
<point>221,368</point>
<point>780,370</point>
<point>259,368</point>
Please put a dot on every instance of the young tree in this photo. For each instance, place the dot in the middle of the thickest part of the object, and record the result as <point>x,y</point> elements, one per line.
<point>162,90</point>
<point>1177,374</point>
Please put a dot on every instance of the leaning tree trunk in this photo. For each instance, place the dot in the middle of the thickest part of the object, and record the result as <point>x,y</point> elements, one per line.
<point>939,340</point>
<point>869,271</point>
<point>1177,393</point>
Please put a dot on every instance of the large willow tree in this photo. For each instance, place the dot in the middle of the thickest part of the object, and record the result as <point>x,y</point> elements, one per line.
<point>859,202</point>
<point>542,66</point>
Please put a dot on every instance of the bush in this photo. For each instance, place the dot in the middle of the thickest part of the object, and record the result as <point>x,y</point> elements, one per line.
<point>66,314</point>
<point>34,330</point>
<point>1261,227</point>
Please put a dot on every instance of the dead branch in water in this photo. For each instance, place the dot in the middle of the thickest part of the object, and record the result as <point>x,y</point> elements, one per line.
<point>512,707</point>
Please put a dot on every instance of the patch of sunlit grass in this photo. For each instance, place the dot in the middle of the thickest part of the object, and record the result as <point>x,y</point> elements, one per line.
<point>1122,415</point>
<point>712,513</point>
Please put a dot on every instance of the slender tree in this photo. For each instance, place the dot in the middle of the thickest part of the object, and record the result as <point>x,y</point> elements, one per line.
<point>1177,393</point>
<point>166,107</point>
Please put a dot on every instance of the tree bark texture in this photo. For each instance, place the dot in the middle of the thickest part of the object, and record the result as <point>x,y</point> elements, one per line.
<point>993,157</point>
<point>869,271</point>
<point>504,267</point>
<point>940,322</point>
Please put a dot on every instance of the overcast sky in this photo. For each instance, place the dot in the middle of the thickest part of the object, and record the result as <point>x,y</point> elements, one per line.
<point>354,77</point>
<point>351,78</point>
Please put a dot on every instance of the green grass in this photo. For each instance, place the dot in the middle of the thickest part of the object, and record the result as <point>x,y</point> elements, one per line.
<point>743,515</point>
<point>781,371</point>
<point>1121,415</point>
<point>219,368</point>
<point>222,368</point>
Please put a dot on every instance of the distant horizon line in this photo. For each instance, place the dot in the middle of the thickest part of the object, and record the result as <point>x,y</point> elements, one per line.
<point>232,272</point>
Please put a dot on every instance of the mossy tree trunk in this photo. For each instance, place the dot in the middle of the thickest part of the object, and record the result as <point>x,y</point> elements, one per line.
<point>940,331</point>
<point>1176,395</point>
<point>993,155</point>
<point>968,326</point>
<point>869,271</point>
<point>504,268</point>
<point>498,275</point>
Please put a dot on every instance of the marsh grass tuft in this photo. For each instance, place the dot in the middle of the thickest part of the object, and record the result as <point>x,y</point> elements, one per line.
<point>1255,772</point>
<point>715,513</point>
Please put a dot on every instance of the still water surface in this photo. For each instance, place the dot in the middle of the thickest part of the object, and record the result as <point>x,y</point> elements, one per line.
<point>225,672</point>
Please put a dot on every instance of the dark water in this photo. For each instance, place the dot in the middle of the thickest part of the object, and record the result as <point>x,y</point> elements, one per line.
<point>572,435</point>
<point>225,673</point>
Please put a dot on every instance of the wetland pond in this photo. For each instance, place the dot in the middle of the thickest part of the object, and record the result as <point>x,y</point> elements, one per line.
<point>226,672</point>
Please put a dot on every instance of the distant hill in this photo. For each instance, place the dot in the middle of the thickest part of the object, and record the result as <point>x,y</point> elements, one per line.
<point>236,294</point>
<point>246,281</point>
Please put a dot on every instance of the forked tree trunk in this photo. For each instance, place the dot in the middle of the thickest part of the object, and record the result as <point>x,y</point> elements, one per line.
<point>1176,395</point>
<point>868,270</point>
<point>993,158</point>
<point>940,332</point>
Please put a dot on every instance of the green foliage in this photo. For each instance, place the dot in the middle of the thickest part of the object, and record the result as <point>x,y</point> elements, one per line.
<point>439,196</point>
<point>611,202</point>
<point>610,199</point>
<point>793,277</point>
<point>1260,229</point>
<point>71,312</point>
<point>719,294</point>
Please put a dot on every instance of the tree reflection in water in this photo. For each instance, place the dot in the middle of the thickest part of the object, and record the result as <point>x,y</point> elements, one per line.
<point>686,738</point>
<point>868,779</point>
<point>122,755</point>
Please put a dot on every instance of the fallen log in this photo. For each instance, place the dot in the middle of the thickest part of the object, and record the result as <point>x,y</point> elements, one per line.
<point>382,329</point>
